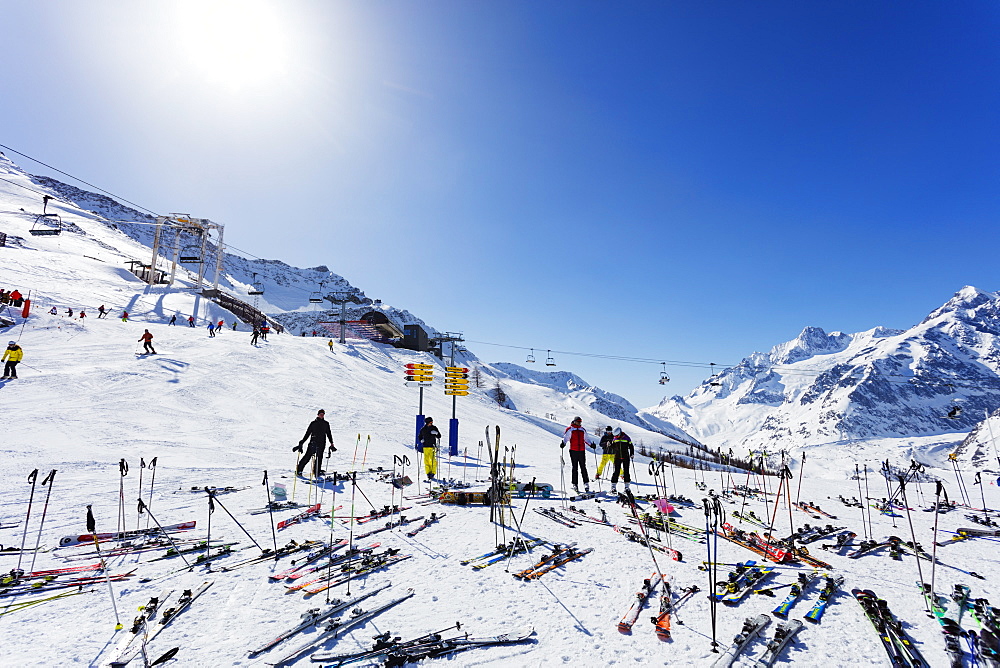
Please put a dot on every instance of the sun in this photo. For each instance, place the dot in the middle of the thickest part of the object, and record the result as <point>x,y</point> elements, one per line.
<point>232,43</point>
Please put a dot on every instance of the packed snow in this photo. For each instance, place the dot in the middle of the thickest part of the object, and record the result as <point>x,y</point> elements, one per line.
<point>218,411</point>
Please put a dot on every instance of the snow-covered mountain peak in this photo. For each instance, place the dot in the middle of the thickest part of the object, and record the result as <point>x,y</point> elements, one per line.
<point>810,342</point>
<point>969,303</point>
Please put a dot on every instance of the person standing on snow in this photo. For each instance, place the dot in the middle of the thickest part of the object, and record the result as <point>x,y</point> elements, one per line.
<point>427,441</point>
<point>147,340</point>
<point>624,451</point>
<point>190,321</point>
<point>318,433</point>
<point>254,336</point>
<point>101,311</point>
<point>211,329</point>
<point>124,316</point>
<point>12,355</point>
<point>577,438</point>
<point>608,452</point>
<point>173,319</point>
<point>218,327</point>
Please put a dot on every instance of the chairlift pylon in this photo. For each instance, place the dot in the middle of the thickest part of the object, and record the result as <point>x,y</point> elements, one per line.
<point>664,377</point>
<point>46,225</point>
<point>531,357</point>
<point>548,360</point>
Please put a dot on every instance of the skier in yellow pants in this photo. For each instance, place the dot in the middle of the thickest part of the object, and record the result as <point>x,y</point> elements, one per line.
<point>427,441</point>
<point>609,454</point>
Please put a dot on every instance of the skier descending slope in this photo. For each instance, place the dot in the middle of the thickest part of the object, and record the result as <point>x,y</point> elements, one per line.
<point>318,433</point>
<point>577,438</point>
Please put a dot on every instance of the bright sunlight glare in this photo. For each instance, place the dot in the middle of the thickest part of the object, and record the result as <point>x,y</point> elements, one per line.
<point>233,43</point>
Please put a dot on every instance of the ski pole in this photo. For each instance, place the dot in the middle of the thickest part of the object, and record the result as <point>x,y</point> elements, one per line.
<point>802,466</point>
<point>978,481</point>
<point>913,536</point>
<point>45,508</point>
<point>123,470</point>
<point>211,495</point>
<point>871,529</point>
<point>32,477</point>
<point>92,529</point>
<point>710,570</point>
<point>333,505</point>
<point>142,468</point>
<point>350,538</point>
<point>939,488</point>
<point>152,481</point>
<point>295,478</point>
<point>208,542</point>
<point>864,525</point>
<point>143,507</point>
<point>270,510</point>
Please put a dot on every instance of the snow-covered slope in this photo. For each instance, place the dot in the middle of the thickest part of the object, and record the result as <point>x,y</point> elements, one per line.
<point>563,395</point>
<point>287,289</point>
<point>219,411</point>
<point>882,383</point>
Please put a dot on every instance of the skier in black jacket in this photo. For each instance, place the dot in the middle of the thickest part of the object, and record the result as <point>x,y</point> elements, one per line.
<point>318,433</point>
<point>608,455</point>
<point>428,438</point>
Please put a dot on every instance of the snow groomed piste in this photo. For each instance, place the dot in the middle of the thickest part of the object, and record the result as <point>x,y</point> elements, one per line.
<point>725,563</point>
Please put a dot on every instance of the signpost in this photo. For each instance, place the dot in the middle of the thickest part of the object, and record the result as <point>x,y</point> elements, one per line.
<point>456,384</point>
<point>419,375</point>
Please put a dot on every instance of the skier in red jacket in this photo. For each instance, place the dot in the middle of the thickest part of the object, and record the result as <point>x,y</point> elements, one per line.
<point>577,438</point>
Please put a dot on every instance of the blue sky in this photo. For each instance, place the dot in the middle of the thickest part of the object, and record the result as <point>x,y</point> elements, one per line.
<point>664,180</point>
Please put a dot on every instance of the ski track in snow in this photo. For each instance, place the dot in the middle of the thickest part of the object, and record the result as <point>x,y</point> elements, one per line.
<point>219,412</point>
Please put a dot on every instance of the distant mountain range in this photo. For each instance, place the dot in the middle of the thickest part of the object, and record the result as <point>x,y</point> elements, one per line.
<point>939,376</point>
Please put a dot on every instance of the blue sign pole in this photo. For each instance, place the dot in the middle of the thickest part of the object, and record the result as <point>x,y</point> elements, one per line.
<point>453,437</point>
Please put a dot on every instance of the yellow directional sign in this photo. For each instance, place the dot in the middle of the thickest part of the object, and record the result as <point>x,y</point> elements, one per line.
<point>456,369</point>
<point>457,393</point>
<point>420,378</point>
<point>448,386</point>
<point>419,366</point>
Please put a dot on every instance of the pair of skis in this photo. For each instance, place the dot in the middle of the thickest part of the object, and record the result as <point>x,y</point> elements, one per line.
<point>752,627</point>
<point>314,617</point>
<point>137,646</point>
<point>668,606</point>
<point>559,556</point>
<point>82,539</point>
<point>897,645</point>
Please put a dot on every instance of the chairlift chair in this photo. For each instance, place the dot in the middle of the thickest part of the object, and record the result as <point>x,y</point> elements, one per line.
<point>315,298</point>
<point>548,360</point>
<point>46,225</point>
<point>713,380</point>
<point>664,377</point>
<point>531,357</point>
<point>253,287</point>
